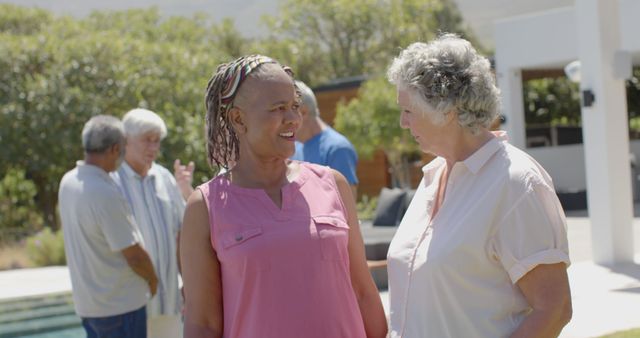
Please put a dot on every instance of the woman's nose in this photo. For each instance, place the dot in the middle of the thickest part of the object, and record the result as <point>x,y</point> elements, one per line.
<point>293,116</point>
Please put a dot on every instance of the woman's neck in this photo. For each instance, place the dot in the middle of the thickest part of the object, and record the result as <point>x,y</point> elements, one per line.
<point>252,173</point>
<point>463,144</point>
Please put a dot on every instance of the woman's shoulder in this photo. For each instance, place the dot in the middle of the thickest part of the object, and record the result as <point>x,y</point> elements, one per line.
<point>319,176</point>
<point>317,170</point>
<point>212,184</point>
<point>524,170</point>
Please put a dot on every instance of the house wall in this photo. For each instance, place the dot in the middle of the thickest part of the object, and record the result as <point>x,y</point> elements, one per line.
<point>566,164</point>
<point>550,40</point>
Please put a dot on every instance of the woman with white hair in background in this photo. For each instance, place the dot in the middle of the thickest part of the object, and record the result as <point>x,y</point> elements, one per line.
<point>482,250</point>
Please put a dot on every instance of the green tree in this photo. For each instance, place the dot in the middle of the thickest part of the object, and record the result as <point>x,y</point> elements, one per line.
<point>551,102</point>
<point>333,39</point>
<point>18,215</point>
<point>226,37</point>
<point>108,63</point>
<point>371,122</point>
<point>556,101</point>
<point>21,20</point>
<point>376,31</point>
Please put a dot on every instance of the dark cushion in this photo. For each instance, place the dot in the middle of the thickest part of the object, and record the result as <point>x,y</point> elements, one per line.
<point>573,200</point>
<point>388,209</point>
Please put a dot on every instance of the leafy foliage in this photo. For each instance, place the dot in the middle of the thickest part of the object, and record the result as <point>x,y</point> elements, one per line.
<point>633,103</point>
<point>46,248</point>
<point>366,207</point>
<point>342,38</point>
<point>551,101</point>
<point>108,63</point>
<point>17,207</point>
<point>362,37</point>
<point>57,71</point>
<point>21,20</point>
<point>556,101</point>
<point>372,122</point>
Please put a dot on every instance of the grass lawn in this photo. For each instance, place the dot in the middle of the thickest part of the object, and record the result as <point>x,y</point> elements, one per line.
<point>635,333</point>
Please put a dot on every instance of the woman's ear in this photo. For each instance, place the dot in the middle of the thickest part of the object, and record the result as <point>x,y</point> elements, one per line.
<point>237,120</point>
<point>450,116</point>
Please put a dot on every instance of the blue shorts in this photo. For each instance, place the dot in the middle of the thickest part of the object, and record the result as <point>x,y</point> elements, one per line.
<point>127,325</point>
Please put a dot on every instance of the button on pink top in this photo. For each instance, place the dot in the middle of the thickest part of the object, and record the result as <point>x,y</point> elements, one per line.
<point>285,272</point>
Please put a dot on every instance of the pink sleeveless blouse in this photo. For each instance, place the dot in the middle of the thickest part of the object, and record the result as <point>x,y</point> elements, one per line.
<point>284,271</point>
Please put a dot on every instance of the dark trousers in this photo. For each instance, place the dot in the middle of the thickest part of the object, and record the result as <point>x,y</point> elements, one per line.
<point>127,325</point>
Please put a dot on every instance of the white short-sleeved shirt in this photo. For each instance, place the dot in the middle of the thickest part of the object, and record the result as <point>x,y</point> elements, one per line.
<point>454,276</point>
<point>158,208</point>
<point>97,225</point>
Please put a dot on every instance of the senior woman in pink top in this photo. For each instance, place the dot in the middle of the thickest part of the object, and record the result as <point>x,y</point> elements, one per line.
<point>271,248</point>
<point>482,249</point>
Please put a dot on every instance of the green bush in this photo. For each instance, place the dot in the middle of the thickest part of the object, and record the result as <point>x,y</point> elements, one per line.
<point>46,248</point>
<point>367,207</point>
<point>19,214</point>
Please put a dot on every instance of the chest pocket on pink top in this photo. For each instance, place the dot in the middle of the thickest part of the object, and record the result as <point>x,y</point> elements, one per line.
<point>333,233</point>
<point>243,248</point>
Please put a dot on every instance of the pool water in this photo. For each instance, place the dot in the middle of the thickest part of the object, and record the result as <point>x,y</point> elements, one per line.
<point>50,316</point>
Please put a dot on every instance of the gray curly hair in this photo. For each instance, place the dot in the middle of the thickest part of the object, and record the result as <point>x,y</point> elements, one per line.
<point>447,74</point>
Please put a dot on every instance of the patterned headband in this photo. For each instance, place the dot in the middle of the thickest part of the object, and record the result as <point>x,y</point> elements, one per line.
<point>236,72</point>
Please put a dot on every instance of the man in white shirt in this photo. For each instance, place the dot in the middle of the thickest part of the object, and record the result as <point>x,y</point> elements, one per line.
<point>157,199</point>
<point>111,274</point>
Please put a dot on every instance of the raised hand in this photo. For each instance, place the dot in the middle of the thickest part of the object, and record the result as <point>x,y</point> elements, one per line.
<point>184,177</point>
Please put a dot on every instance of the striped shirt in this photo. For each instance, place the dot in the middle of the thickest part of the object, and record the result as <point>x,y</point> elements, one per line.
<point>158,208</point>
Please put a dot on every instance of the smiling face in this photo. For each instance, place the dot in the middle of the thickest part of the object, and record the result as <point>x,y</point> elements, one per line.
<point>427,133</point>
<point>266,114</point>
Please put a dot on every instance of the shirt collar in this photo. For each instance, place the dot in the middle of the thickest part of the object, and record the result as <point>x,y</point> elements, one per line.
<point>82,165</point>
<point>133,174</point>
<point>477,160</point>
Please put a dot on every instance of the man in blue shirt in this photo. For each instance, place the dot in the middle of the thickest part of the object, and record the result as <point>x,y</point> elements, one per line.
<point>318,143</point>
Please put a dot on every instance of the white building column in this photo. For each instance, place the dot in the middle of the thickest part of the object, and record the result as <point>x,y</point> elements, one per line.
<point>605,132</point>
<point>510,83</point>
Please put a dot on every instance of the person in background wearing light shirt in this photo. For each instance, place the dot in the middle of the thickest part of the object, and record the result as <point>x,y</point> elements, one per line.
<point>111,274</point>
<point>482,250</point>
<point>157,200</point>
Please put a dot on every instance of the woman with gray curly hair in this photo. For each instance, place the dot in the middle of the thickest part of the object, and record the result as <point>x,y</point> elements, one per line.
<point>482,250</point>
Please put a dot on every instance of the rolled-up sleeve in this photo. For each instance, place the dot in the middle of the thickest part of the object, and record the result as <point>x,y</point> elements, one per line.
<point>533,232</point>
